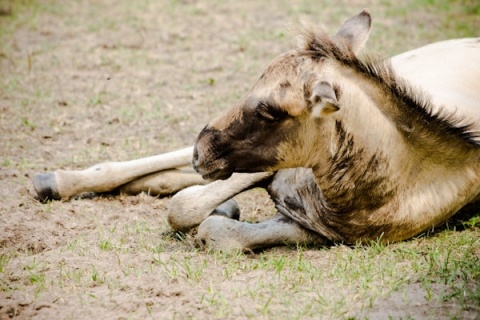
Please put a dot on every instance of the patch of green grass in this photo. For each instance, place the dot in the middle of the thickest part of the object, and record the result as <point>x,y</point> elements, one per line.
<point>106,245</point>
<point>4,260</point>
<point>473,222</point>
<point>80,246</point>
<point>97,277</point>
<point>6,162</point>
<point>364,273</point>
<point>457,266</point>
<point>36,275</point>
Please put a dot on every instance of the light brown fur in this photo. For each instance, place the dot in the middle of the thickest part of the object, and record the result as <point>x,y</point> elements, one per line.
<point>387,160</point>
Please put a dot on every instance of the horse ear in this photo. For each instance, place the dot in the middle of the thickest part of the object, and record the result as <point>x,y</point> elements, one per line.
<point>354,32</point>
<point>323,100</point>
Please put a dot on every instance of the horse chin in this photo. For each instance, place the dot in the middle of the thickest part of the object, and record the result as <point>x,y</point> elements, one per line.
<point>215,170</point>
<point>220,174</point>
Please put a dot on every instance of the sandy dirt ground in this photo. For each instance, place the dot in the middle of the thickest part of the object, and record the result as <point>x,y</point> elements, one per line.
<point>91,81</point>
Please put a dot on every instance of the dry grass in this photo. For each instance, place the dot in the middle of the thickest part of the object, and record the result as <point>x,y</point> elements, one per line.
<point>86,81</point>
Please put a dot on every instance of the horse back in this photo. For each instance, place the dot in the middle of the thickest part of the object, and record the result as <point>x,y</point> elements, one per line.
<point>448,72</point>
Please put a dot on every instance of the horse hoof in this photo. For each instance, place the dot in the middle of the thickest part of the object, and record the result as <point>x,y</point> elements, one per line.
<point>46,187</point>
<point>228,209</point>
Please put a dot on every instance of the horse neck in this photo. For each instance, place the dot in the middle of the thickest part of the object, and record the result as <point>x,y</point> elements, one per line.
<point>357,168</point>
<point>406,114</point>
<point>369,160</point>
<point>362,126</point>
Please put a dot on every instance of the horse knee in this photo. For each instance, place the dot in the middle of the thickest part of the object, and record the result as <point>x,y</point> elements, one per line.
<point>184,211</point>
<point>188,208</point>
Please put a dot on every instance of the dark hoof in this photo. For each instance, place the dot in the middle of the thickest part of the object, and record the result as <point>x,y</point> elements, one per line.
<point>46,187</point>
<point>228,209</point>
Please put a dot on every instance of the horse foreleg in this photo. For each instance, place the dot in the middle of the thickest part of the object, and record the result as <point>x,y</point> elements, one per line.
<point>164,183</point>
<point>219,233</point>
<point>189,207</point>
<point>106,176</point>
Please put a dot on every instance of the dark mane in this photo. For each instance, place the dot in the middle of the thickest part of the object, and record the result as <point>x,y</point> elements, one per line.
<point>415,107</point>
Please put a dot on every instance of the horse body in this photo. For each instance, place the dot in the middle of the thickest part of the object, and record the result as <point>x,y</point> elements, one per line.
<point>387,149</point>
<point>350,150</point>
<point>449,71</point>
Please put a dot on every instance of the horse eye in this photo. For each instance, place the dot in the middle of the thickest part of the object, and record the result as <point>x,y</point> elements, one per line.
<point>269,113</point>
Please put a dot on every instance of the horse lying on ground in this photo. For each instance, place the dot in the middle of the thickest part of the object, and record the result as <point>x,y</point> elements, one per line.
<point>349,150</point>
